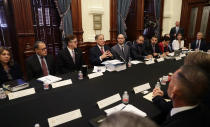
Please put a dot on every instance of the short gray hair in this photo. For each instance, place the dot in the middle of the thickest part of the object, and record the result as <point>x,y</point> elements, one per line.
<point>36,44</point>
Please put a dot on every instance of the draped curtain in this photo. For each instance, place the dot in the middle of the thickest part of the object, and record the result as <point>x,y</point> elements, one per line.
<point>64,10</point>
<point>122,12</point>
<point>157,6</point>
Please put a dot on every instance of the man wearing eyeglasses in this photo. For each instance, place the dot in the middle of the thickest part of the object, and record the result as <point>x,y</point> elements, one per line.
<point>69,59</point>
<point>41,63</point>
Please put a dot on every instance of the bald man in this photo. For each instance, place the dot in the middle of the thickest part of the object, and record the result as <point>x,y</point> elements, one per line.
<point>175,30</point>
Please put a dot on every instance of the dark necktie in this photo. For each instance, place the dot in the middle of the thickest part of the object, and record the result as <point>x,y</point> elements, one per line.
<point>44,67</point>
<point>122,49</point>
<point>197,44</point>
<point>73,56</point>
<point>153,47</point>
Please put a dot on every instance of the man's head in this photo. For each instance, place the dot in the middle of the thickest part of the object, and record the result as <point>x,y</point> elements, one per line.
<point>126,119</point>
<point>120,39</point>
<point>166,41</point>
<point>100,39</point>
<point>154,40</point>
<point>40,48</point>
<point>140,39</point>
<point>199,36</point>
<point>177,23</point>
<point>187,86</point>
<point>71,41</point>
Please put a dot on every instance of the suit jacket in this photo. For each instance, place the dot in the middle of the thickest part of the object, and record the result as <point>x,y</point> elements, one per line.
<point>196,117</point>
<point>14,71</point>
<point>117,52</point>
<point>138,52</point>
<point>203,45</point>
<point>173,31</point>
<point>34,69</point>
<point>65,61</point>
<point>95,54</point>
<point>149,48</point>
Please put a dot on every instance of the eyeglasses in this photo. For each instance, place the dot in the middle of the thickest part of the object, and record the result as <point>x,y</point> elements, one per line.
<point>43,49</point>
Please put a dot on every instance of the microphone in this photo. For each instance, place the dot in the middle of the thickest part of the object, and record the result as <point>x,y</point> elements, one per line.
<point>120,57</point>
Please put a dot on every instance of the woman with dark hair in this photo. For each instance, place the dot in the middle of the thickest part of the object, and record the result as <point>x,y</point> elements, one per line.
<point>178,43</point>
<point>164,46</point>
<point>8,69</point>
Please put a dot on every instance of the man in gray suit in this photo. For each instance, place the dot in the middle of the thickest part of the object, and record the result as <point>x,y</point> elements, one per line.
<point>121,51</point>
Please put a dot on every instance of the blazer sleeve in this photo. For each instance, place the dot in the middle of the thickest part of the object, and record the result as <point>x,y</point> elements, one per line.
<point>60,63</point>
<point>164,106</point>
<point>28,70</point>
<point>94,58</point>
<point>135,54</point>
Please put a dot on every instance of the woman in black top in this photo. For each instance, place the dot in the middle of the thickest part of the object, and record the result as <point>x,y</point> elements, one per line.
<point>8,69</point>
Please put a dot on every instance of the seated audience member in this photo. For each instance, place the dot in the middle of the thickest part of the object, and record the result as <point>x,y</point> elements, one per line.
<point>186,90</point>
<point>41,63</point>
<point>70,58</point>
<point>199,43</point>
<point>100,52</point>
<point>9,70</point>
<point>164,46</point>
<point>121,51</point>
<point>152,47</point>
<point>202,60</point>
<point>138,51</point>
<point>178,43</point>
<point>126,119</point>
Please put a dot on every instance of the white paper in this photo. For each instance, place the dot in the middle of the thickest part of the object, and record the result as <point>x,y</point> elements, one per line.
<point>49,79</point>
<point>63,118</point>
<point>94,75</point>
<point>178,58</point>
<point>113,62</point>
<point>149,96</point>
<point>182,55</point>
<point>21,93</point>
<point>126,108</point>
<point>141,88</point>
<point>99,69</point>
<point>108,101</point>
<point>149,62</point>
<point>160,60</point>
<point>171,54</point>
<point>136,62</point>
<point>61,83</point>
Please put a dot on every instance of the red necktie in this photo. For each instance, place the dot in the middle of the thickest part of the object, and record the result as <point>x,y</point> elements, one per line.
<point>44,67</point>
<point>102,51</point>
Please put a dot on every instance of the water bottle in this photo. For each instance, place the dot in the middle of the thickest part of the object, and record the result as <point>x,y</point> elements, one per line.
<point>129,62</point>
<point>80,75</point>
<point>157,85</point>
<point>125,97</point>
<point>36,125</point>
<point>2,94</point>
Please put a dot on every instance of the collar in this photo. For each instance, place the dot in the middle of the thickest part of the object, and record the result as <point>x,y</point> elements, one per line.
<point>181,109</point>
<point>40,56</point>
<point>100,47</point>
<point>121,45</point>
<point>70,50</point>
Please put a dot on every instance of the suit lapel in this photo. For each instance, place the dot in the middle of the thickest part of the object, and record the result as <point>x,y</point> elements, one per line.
<point>37,63</point>
<point>67,53</point>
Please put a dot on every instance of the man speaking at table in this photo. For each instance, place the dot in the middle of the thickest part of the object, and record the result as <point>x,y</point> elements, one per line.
<point>121,51</point>
<point>186,89</point>
<point>100,52</point>
<point>40,64</point>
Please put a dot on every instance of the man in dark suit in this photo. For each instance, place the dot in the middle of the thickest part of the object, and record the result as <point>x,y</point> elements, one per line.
<point>100,52</point>
<point>138,51</point>
<point>121,51</point>
<point>70,58</point>
<point>199,43</point>
<point>186,90</point>
<point>40,64</point>
<point>152,47</point>
<point>175,30</point>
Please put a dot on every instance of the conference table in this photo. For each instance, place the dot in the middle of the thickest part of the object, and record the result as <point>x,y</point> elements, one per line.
<point>83,95</point>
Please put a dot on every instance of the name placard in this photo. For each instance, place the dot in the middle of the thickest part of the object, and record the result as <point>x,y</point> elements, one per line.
<point>149,62</point>
<point>63,118</point>
<point>141,88</point>
<point>108,101</point>
<point>61,83</point>
<point>160,60</point>
<point>94,75</point>
<point>21,93</point>
<point>178,58</point>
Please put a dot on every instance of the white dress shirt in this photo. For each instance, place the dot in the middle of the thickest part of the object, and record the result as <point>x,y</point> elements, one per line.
<point>176,45</point>
<point>181,109</point>
<point>71,51</point>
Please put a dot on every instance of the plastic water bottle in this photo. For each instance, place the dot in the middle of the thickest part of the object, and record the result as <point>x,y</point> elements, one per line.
<point>80,75</point>
<point>36,125</point>
<point>157,85</point>
<point>129,62</point>
<point>125,97</point>
<point>2,94</point>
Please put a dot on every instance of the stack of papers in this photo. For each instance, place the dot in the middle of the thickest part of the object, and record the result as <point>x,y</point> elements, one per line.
<point>49,79</point>
<point>99,69</point>
<point>126,108</point>
<point>113,62</point>
<point>136,62</point>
